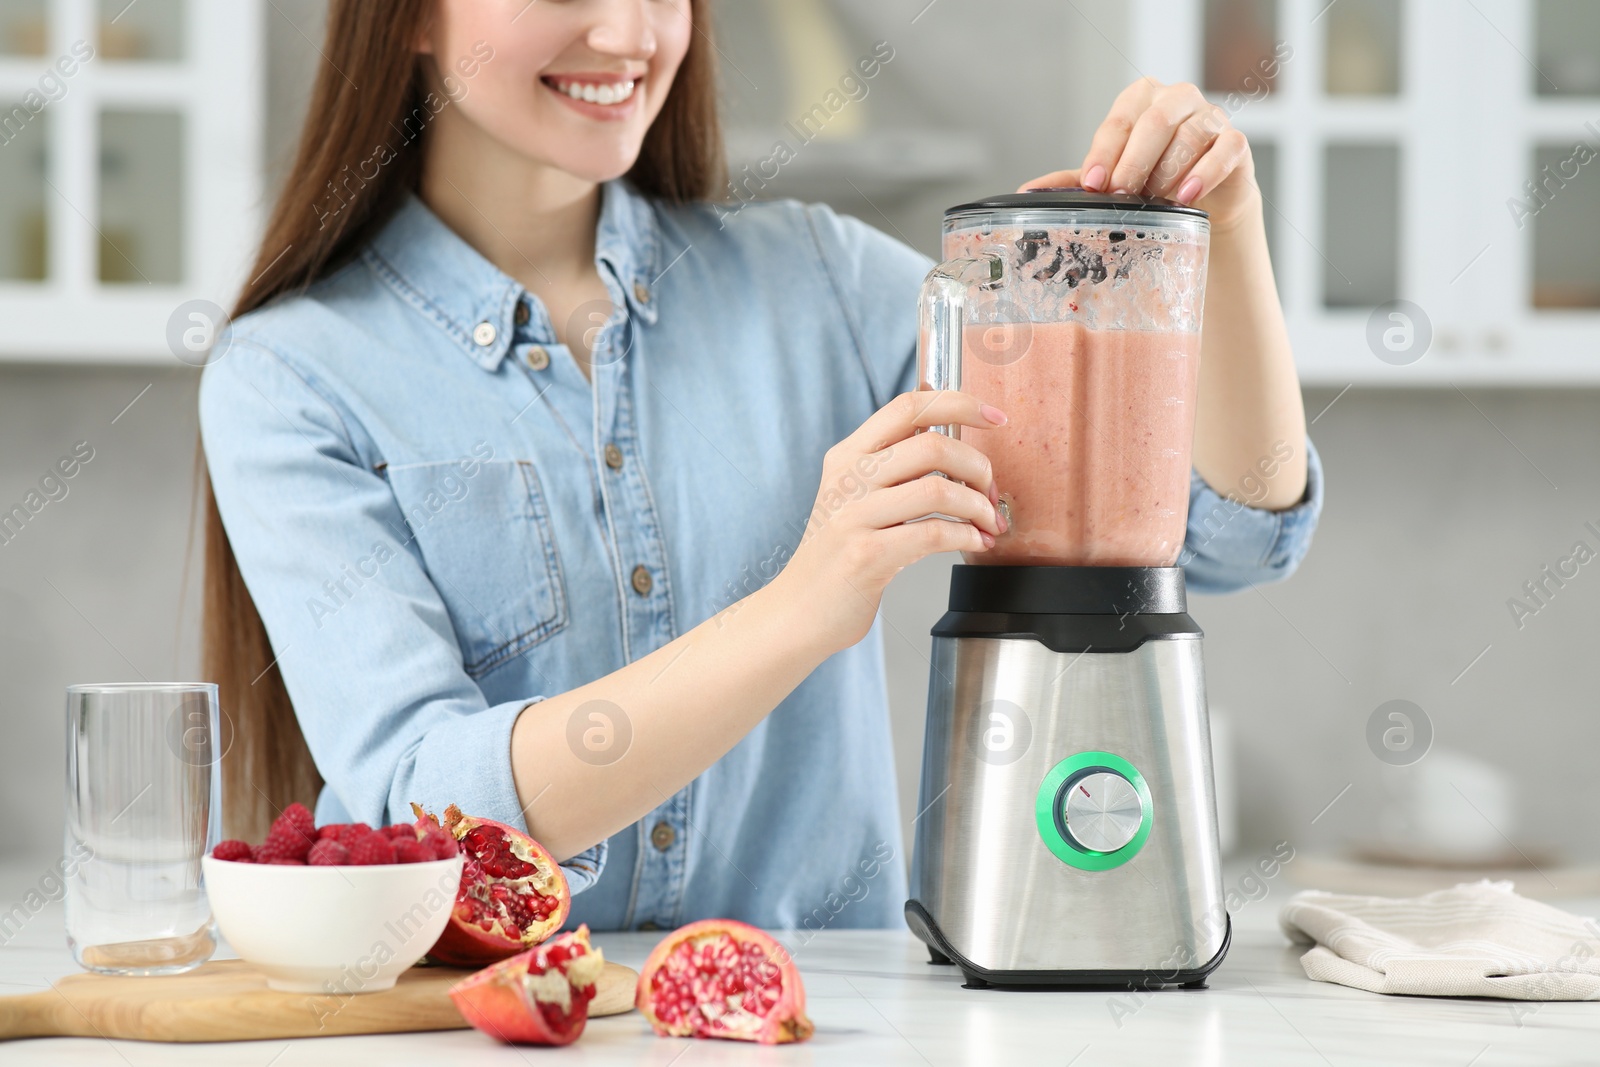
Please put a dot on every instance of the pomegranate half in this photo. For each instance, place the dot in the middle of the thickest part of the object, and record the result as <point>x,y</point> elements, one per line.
<point>512,894</point>
<point>538,997</point>
<point>723,978</point>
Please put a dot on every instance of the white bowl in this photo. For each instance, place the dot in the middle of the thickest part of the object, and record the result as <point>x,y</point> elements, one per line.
<point>334,930</point>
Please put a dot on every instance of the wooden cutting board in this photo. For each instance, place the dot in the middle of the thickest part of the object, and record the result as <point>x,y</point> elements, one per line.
<point>228,1000</point>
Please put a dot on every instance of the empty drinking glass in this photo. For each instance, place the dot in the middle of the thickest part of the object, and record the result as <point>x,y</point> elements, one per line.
<point>143,805</point>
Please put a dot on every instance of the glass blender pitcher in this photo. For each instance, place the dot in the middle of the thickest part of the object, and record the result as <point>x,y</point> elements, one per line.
<point>1067,833</point>
<point>1078,315</point>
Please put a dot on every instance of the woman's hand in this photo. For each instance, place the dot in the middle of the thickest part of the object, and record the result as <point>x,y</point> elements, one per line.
<point>860,532</point>
<point>1169,141</point>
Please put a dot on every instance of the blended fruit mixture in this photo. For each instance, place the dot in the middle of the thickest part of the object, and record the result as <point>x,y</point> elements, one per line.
<point>1094,462</point>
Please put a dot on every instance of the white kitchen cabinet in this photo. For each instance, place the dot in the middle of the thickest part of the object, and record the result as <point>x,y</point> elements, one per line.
<point>130,170</point>
<point>1395,140</point>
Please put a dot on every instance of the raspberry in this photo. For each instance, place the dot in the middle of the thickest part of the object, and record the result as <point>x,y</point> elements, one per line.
<point>296,829</point>
<point>442,842</point>
<point>287,863</point>
<point>295,819</point>
<point>291,843</point>
<point>328,853</point>
<point>371,850</point>
<point>275,848</point>
<point>237,851</point>
<point>333,829</point>
<point>399,832</point>
<point>413,851</point>
<point>353,832</point>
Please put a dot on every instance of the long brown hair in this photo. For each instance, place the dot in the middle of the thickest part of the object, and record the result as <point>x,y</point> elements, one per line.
<point>368,87</point>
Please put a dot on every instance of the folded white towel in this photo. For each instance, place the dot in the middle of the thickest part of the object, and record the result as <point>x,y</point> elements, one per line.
<point>1476,940</point>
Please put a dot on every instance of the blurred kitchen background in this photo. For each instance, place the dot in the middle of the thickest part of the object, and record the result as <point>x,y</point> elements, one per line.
<point>1420,151</point>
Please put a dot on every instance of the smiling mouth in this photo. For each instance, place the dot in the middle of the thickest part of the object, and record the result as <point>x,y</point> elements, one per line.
<point>602,93</point>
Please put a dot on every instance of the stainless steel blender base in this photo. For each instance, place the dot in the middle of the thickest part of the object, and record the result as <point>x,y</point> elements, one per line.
<point>991,890</point>
<point>940,951</point>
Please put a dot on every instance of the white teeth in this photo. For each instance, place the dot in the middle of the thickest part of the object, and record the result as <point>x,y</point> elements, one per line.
<point>606,93</point>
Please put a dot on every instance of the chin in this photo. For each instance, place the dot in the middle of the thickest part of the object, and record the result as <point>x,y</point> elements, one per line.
<point>600,172</point>
<point>595,166</point>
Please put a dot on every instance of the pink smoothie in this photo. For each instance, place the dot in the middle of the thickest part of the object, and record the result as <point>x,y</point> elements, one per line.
<point>1094,462</point>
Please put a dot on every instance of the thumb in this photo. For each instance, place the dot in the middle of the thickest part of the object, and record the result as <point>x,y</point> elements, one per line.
<point>1062,179</point>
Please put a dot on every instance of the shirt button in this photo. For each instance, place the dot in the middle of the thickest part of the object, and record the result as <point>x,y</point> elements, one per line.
<point>642,581</point>
<point>522,314</point>
<point>614,457</point>
<point>641,292</point>
<point>663,836</point>
<point>538,357</point>
<point>648,925</point>
<point>484,334</point>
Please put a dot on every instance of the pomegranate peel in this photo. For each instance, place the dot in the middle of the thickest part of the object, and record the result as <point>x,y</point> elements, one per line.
<point>512,895</point>
<point>537,997</point>
<point>723,978</point>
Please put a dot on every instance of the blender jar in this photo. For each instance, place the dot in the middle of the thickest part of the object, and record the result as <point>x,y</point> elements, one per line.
<point>1077,314</point>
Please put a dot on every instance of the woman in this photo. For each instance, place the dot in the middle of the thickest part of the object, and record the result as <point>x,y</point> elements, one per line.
<point>504,447</point>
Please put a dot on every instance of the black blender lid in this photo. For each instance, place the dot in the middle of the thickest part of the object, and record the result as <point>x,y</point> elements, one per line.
<point>1075,198</point>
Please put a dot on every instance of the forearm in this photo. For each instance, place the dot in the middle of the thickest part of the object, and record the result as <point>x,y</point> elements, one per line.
<point>685,705</point>
<point>690,702</point>
<point>1249,390</point>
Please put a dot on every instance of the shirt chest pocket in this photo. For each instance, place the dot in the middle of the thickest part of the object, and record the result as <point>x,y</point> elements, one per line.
<point>485,538</point>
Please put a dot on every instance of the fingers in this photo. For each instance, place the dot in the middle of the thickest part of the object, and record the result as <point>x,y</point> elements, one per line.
<point>1192,140</point>
<point>1112,136</point>
<point>915,540</point>
<point>1227,154</point>
<point>930,496</point>
<point>1161,140</point>
<point>910,412</point>
<point>930,452</point>
<point>1152,133</point>
<point>1056,179</point>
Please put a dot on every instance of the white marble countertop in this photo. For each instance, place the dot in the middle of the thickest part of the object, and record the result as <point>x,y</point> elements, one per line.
<point>876,1000</point>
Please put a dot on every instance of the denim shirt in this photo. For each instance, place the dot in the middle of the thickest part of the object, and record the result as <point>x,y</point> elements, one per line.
<point>442,521</point>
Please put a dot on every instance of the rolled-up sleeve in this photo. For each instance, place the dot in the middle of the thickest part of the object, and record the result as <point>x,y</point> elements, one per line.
<point>362,638</point>
<point>1231,545</point>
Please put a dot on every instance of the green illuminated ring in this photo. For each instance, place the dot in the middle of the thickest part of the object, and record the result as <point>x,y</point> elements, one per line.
<point>1049,802</point>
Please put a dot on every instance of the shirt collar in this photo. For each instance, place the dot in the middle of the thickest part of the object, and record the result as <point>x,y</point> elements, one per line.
<point>474,302</point>
<point>628,241</point>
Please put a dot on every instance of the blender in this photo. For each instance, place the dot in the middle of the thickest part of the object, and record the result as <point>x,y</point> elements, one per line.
<point>1067,829</point>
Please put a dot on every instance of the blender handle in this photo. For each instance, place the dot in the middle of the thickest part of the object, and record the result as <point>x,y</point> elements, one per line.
<point>941,311</point>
